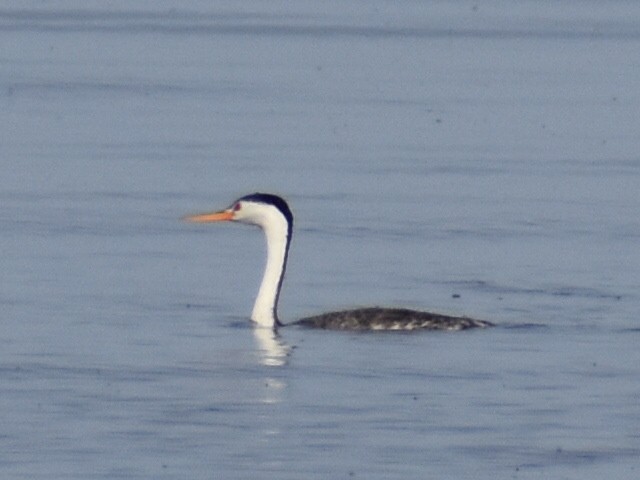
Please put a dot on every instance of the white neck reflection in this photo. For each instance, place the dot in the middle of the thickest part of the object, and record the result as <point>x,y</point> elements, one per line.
<point>273,353</point>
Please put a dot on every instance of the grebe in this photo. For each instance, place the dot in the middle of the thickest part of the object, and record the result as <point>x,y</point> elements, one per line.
<point>272,214</point>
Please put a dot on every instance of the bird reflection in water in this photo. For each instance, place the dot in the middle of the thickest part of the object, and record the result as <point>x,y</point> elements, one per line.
<point>272,353</point>
<point>272,350</point>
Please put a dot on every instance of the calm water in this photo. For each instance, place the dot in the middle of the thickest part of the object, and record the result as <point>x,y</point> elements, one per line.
<point>470,158</point>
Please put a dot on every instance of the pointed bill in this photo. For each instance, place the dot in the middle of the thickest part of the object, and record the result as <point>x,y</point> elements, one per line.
<point>223,216</point>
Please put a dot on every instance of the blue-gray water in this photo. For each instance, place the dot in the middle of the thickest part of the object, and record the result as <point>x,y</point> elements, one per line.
<point>429,150</point>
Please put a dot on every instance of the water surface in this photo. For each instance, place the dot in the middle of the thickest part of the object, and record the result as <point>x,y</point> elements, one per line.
<point>477,159</point>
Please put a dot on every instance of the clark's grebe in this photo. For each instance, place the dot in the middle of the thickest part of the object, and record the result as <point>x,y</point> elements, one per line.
<point>272,214</point>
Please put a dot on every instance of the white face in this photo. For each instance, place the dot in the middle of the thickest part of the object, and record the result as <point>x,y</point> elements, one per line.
<point>260,214</point>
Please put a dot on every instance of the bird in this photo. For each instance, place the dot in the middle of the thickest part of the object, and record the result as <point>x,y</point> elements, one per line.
<point>272,214</point>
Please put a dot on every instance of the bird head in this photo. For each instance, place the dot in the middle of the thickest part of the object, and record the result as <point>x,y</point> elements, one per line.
<point>261,209</point>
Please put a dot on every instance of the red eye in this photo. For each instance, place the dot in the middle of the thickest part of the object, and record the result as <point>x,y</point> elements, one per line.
<point>237,207</point>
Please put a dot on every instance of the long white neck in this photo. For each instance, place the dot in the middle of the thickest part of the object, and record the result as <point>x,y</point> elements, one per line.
<point>277,232</point>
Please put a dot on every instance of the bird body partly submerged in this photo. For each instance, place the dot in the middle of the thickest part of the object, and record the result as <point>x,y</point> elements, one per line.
<point>272,214</point>
<point>377,318</point>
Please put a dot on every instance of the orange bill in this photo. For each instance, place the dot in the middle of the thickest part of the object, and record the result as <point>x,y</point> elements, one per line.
<point>223,216</point>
